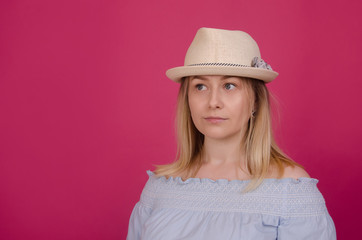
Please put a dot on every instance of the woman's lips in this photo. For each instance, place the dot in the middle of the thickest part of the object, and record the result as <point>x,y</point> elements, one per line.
<point>215,119</point>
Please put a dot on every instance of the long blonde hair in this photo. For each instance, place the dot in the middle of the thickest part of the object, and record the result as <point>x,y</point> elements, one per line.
<point>260,147</point>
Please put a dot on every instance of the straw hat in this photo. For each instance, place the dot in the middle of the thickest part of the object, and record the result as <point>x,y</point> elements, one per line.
<point>223,52</point>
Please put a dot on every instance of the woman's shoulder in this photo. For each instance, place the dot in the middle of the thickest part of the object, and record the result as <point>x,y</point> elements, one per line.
<point>295,172</point>
<point>287,171</point>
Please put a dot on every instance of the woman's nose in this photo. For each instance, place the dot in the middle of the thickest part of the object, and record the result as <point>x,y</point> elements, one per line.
<point>215,100</point>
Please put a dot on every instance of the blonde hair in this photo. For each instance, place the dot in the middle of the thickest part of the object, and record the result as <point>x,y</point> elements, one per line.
<point>260,147</point>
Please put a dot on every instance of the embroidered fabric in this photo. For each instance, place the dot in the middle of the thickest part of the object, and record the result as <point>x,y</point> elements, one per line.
<point>197,209</point>
<point>279,197</point>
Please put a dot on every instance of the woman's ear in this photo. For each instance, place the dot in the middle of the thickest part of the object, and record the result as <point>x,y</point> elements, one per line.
<point>256,103</point>
<point>253,107</point>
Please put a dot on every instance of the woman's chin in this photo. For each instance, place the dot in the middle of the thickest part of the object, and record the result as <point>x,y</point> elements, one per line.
<point>220,135</point>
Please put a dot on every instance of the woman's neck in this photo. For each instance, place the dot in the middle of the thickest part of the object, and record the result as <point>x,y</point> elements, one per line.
<point>223,159</point>
<point>223,151</point>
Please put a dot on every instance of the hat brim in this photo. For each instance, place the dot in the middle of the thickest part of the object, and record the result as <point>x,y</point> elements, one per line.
<point>177,73</point>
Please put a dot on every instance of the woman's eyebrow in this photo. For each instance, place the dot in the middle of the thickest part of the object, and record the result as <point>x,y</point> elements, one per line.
<point>199,77</point>
<point>226,77</point>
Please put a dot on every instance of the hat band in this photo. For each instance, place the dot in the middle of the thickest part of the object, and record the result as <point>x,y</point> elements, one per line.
<point>218,64</point>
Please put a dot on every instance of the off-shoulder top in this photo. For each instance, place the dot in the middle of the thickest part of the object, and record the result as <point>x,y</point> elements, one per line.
<point>287,208</point>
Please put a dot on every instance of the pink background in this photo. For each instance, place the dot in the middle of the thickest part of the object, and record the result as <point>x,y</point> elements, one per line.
<point>86,107</point>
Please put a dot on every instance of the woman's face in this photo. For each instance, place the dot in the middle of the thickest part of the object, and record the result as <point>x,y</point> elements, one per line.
<point>219,105</point>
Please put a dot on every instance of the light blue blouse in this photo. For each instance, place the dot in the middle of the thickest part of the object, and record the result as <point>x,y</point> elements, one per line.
<point>286,209</point>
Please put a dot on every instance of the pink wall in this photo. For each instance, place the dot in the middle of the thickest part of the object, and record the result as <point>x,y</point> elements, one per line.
<point>86,108</point>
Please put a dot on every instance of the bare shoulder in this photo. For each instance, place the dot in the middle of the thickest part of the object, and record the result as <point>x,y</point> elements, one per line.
<point>294,172</point>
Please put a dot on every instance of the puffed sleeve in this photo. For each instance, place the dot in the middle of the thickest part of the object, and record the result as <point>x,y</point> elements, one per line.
<point>138,217</point>
<point>305,213</point>
<point>311,227</point>
<point>142,211</point>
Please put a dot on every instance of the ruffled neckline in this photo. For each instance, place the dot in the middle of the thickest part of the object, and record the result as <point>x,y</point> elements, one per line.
<point>235,181</point>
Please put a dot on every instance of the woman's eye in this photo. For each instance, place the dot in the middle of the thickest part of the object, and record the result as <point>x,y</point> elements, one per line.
<point>200,87</point>
<point>229,86</point>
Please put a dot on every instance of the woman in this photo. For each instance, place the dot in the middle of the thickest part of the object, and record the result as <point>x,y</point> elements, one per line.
<point>230,180</point>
